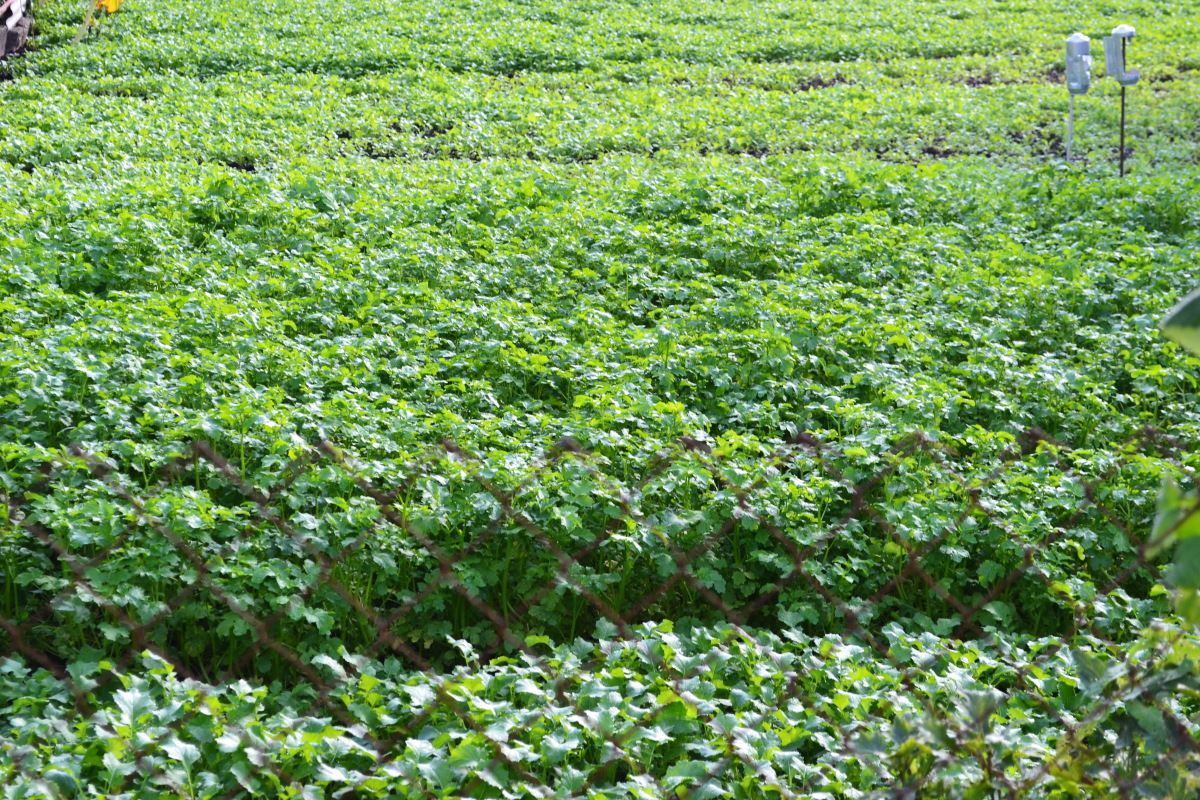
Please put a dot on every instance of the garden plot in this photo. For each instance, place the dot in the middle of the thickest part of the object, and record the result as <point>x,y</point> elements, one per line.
<point>592,399</point>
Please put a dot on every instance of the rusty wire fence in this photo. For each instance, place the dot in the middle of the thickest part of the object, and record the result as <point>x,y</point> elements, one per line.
<point>810,622</point>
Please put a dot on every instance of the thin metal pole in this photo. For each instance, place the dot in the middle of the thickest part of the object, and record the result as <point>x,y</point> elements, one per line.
<point>1071,128</point>
<point>1122,131</point>
<point>1123,43</point>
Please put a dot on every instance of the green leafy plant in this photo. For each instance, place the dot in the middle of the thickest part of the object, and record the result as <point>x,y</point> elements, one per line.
<point>1178,521</point>
<point>683,236</point>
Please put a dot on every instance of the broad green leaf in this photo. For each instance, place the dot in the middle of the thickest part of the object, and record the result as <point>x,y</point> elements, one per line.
<point>1182,323</point>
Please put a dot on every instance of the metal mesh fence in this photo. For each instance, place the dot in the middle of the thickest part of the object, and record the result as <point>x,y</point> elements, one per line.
<point>809,622</point>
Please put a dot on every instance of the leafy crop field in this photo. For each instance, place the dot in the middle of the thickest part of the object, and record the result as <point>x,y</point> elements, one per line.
<point>632,258</point>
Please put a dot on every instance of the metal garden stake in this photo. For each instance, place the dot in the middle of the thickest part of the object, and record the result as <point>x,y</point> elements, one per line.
<point>1079,77</point>
<point>1114,60</point>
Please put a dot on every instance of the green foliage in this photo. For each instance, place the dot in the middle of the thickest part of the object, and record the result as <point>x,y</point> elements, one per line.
<point>1178,520</point>
<point>323,548</point>
<point>257,225</point>
<point>709,712</point>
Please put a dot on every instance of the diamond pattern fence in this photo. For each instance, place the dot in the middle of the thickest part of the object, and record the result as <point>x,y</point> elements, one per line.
<point>808,622</point>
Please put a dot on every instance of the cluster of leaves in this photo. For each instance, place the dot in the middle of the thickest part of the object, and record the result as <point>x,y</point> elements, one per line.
<point>852,300</point>
<point>703,713</point>
<point>444,548</point>
<point>543,81</point>
<point>736,302</point>
<point>620,221</point>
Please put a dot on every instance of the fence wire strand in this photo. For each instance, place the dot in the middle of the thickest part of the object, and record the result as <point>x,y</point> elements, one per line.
<point>933,744</point>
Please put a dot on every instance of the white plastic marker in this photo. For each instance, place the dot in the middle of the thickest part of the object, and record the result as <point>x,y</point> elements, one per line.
<point>17,11</point>
<point>1079,77</point>
<point>1114,62</point>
